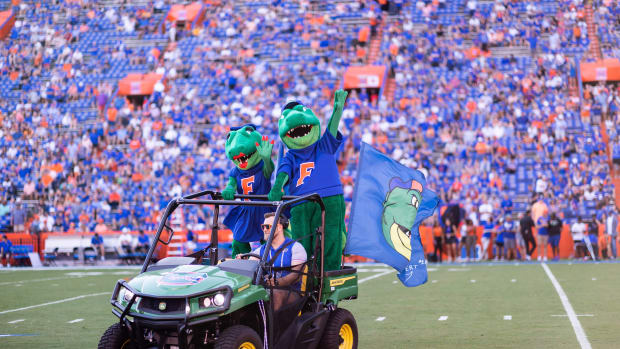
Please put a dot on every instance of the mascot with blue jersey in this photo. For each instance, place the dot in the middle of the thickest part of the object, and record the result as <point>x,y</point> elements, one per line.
<point>251,154</point>
<point>309,166</point>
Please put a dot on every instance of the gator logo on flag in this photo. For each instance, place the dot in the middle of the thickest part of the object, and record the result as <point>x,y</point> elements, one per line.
<point>389,203</point>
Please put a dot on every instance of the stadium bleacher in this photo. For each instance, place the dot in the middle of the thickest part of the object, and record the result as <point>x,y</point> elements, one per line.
<point>487,89</point>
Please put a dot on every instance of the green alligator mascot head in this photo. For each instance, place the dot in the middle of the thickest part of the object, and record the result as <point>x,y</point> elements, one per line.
<point>400,209</point>
<point>298,126</point>
<point>241,146</point>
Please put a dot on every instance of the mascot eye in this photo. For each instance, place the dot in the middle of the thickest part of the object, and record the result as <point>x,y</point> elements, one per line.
<point>414,201</point>
<point>249,129</point>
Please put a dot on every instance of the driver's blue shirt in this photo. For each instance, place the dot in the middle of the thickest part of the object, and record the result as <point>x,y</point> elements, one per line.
<point>293,253</point>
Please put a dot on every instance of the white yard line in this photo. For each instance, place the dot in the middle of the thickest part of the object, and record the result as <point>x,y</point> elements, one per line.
<point>54,302</point>
<point>579,332</point>
<point>380,318</point>
<point>74,321</point>
<point>443,318</point>
<point>16,321</point>
<point>375,276</point>
<point>507,317</point>
<point>36,280</point>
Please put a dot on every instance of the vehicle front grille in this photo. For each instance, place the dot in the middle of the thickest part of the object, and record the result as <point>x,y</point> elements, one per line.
<point>173,306</point>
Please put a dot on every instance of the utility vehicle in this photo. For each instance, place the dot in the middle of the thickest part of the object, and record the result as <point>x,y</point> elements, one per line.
<point>199,301</point>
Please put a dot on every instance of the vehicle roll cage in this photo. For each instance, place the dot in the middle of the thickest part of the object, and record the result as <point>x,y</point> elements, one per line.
<point>246,200</point>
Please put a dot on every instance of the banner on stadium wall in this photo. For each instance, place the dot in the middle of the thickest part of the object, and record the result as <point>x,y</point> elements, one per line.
<point>191,13</point>
<point>7,20</point>
<point>367,76</point>
<point>605,70</point>
<point>138,84</point>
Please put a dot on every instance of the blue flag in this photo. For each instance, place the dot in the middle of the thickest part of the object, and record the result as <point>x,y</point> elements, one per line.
<point>389,203</point>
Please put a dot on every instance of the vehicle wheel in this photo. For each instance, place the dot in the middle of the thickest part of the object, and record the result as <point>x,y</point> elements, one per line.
<point>115,338</point>
<point>340,332</point>
<point>239,337</point>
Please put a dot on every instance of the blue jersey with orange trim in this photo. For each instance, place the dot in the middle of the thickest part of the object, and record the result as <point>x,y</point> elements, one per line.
<point>252,181</point>
<point>313,169</point>
<point>245,221</point>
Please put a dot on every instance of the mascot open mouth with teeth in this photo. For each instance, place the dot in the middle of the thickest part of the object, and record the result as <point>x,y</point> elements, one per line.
<point>308,167</point>
<point>251,154</point>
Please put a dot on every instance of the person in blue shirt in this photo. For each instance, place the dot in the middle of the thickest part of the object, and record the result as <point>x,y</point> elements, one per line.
<point>542,227</point>
<point>510,234</point>
<point>97,242</point>
<point>143,241</point>
<point>291,254</point>
<point>5,250</point>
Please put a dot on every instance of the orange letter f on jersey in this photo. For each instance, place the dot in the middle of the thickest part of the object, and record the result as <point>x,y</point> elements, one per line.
<point>305,169</point>
<point>247,184</point>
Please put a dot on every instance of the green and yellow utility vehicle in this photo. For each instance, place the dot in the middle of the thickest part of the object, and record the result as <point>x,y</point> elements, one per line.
<point>200,301</point>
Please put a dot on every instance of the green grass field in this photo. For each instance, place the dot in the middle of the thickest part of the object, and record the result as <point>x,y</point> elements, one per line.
<point>476,299</point>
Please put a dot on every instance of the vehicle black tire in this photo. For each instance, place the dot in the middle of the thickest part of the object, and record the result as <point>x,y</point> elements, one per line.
<point>115,337</point>
<point>239,337</point>
<point>340,331</point>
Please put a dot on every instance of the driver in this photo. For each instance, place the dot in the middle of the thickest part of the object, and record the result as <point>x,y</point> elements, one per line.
<point>293,255</point>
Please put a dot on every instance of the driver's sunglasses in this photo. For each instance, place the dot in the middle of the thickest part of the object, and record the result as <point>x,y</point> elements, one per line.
<point>266,226</point>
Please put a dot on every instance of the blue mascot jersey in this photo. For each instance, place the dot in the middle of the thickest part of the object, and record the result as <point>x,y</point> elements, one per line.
<point>313,169</point>
<point>245,221</point>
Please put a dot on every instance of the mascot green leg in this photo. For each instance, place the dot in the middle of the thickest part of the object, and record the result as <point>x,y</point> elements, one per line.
<point>306,218</point>
<point>239,247</point>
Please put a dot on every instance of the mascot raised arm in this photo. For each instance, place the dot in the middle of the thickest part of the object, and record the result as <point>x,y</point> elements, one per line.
<point>309,166</point>
<point>251,154</point>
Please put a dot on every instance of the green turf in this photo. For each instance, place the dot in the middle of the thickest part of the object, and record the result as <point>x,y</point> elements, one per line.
<point>475,310</point>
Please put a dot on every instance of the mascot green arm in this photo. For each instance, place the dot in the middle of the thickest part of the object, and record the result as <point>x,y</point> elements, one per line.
<point>264,150</point>
<point>276,191</point>
<point>229,192</point>
<point>339,99</point>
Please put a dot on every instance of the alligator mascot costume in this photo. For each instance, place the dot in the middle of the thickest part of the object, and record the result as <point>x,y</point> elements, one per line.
<point>308,167</point>
<point>251,154</point>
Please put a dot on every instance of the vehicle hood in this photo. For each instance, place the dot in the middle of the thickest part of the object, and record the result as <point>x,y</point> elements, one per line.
<point>186,280</point>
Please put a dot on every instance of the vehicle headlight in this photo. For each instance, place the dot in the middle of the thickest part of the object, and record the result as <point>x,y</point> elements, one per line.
<point>212,301</point>
<point>125,294</point>
<point>219,299</point>
<point>128,295</point>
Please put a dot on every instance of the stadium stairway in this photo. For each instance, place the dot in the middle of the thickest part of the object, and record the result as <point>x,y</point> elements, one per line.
<point>595,46</point>
<point>375,44</point>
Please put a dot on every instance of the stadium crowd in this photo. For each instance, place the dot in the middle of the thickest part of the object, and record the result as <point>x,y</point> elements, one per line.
<point>500,131</point>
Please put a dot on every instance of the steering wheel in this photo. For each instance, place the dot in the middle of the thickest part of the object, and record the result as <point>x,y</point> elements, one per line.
<point>246,255</point>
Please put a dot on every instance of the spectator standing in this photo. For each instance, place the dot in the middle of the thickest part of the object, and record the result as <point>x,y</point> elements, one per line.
<point>470,240</point>
<point>5,250</point>
<point>499,242</point>
<point>97,242</point>
<point>19,217</point>
<point>593,230</point>
<point>509,232</point>
<point>578,230</point>
<point>542,229</point>
<point>527,224</point>
<point>438,241</point>
<point>451,240</point>
<point>143,241</point>
<point>486,220</point>
<point>126,240</point>
<point>611,232</point>
<point>555,232</point>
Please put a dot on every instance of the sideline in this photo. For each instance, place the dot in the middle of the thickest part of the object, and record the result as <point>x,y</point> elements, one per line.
<point>55,302</point>
<point>579,332</point>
